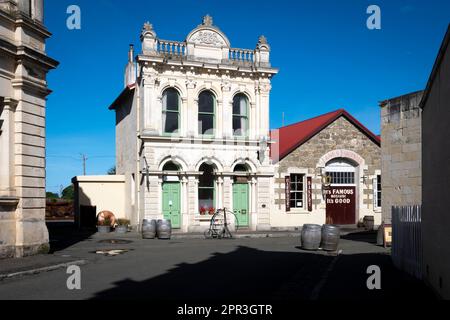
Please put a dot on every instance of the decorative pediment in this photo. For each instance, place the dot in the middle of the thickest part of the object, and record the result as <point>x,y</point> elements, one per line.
<point>208,37</point>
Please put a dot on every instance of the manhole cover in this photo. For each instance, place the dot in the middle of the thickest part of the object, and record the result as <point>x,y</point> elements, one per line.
<point>116,241</point>
<point>111,252</point>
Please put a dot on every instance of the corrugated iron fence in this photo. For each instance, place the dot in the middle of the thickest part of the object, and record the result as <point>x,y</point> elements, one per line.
<point>407,239</point>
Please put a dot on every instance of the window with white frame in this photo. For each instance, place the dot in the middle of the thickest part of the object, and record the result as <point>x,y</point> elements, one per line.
<point>377,191</point>
<point>296,194</point>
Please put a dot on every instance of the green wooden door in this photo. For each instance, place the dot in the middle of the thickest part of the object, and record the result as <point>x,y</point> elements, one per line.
<point>171,203</point>
<point>240,204</point>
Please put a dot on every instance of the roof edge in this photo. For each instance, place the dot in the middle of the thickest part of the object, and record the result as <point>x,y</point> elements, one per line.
<point>436,66</point>
<point>339,113</point>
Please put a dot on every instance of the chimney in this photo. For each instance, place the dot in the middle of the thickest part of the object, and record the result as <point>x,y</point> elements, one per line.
<point>131,54</point>
<point>130,70</point>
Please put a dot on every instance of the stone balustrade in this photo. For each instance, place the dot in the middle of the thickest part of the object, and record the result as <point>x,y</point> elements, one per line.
<point>171,48</point>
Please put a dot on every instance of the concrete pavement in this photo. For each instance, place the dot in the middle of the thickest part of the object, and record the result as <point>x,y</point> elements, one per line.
<point>212,270</point>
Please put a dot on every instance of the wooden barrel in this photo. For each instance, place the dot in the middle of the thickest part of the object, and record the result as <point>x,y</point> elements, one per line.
<point>330,237</point>
<point>311,236</point>
<point>369,222</point>
<point>148,229</point>
<point>164,229</point>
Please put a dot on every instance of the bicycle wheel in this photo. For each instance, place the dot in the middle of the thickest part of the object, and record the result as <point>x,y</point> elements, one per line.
<point>208,234</point>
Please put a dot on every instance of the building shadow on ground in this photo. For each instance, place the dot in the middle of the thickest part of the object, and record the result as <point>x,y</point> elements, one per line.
<point>64,234</point>
<point>251,274</point>
<point>362,236</point>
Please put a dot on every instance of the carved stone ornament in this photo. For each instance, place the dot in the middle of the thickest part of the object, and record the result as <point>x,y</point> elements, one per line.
<point>191,84</point>
<point>208,37</point>
<point>226,86</point>
<point>207,20</point>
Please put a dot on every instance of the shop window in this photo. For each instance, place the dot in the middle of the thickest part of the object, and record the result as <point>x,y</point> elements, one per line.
<point>296,191</point>
<point>206,113</point>
<point>171,111</point>
<point>206,188</point>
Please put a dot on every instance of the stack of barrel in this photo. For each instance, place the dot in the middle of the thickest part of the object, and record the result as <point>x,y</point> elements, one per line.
<point>326,237</point>
<point>161,229</point>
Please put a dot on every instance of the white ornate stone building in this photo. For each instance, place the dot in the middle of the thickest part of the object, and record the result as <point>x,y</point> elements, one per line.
<point>192,130</point>
<point>23,91</point>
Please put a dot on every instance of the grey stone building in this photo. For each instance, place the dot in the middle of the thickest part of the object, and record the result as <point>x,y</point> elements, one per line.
<point>23,91</point>
<point>401,152</point>
<point>334,147</point>
<point>436,172</point>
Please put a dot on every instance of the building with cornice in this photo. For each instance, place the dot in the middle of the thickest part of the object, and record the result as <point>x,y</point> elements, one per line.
<point>192,135</point>
<point>23,91</point>
<point>192,130</point>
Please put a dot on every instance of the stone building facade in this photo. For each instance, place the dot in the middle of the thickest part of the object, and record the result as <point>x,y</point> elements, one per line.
<point>436,173</point>
<point>330,149</point>
<point>23,91</point>
<point>401,152</point>
<point>192,130</point>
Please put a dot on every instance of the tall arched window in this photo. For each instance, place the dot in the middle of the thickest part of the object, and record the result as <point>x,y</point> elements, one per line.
<point>240,115</point>
<point>171,111</point>
<point>206,187</point>
<point>206,113</point>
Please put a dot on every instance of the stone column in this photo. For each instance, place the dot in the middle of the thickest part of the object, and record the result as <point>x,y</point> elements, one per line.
<point>193,203</point>
<point>253,205</point>
<point>7,109</point>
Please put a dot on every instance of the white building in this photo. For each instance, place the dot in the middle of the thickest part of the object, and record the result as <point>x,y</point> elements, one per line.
<point>23,91</point>
<point>192,130</point>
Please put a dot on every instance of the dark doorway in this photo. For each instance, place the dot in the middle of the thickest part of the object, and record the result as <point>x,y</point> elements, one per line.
<point>88,217</point>
<point>341,205</point>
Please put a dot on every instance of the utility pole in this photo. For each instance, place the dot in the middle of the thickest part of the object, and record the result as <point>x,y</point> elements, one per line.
<point>84,158</point>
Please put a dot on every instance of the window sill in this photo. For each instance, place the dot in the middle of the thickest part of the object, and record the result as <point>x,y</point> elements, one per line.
<point>298,211</point>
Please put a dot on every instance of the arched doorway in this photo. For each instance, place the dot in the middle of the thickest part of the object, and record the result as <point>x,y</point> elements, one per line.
<point>241,196</point>
<point>171,194</point>
<point>341,195</point>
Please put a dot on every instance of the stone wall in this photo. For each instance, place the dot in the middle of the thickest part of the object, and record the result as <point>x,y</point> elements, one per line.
<point>401,149</point>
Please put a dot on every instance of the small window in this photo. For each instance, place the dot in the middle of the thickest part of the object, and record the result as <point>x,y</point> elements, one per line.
<point>206,113</point>
<point>240,115</point>
<point>171,111</point>
<point>296,191</point>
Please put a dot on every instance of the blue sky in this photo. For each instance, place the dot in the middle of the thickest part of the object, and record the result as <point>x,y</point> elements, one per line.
<point>327,58</point>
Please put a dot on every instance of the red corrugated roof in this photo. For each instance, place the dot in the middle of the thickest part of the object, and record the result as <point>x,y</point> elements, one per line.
<point>292,136</point>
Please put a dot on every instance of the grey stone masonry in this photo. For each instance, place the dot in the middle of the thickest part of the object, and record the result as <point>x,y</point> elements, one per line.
<point>401,140</point>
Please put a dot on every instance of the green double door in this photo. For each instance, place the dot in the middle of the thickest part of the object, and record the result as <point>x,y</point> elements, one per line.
<point>241,204</point>
<point>171,203</point>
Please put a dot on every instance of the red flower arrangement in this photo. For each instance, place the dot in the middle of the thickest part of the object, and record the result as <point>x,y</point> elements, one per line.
<point>203,211</point>
<point>212,210</point>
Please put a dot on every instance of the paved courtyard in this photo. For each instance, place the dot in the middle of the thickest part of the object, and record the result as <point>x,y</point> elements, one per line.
<point>262,269</point>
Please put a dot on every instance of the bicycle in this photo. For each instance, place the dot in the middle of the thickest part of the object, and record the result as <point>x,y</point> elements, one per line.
<point>218,228</point>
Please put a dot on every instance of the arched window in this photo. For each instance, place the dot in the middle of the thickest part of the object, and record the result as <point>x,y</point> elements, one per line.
<point>240,115</point>
<point>206,113</point>
<point>170,166</point>
<point>206,188</point>
<point>171,111</point>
